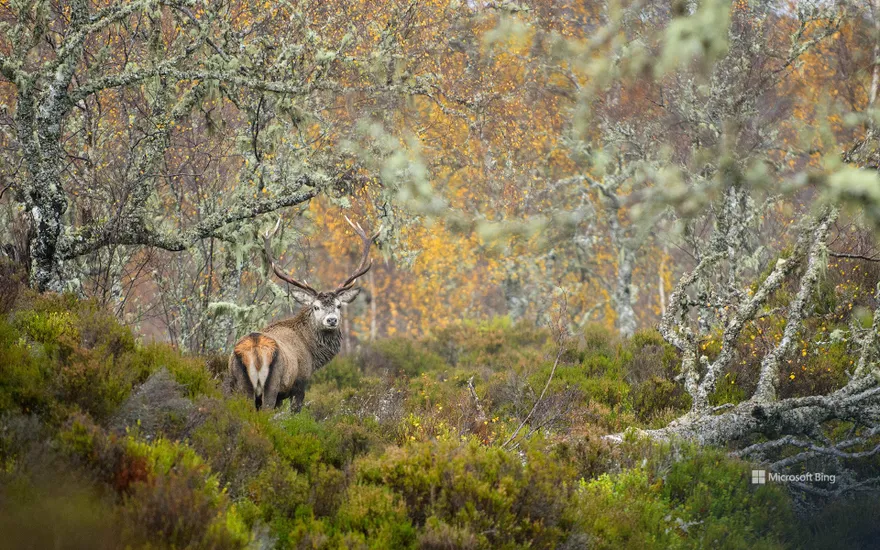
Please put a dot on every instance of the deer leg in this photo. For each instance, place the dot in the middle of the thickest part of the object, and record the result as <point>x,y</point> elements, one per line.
<point>272,386</point>
<point>239,379</point>
<point>298,395</point>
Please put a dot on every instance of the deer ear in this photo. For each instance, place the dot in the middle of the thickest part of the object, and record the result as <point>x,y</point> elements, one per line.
<point>348,296</point>
<point>303,297</point>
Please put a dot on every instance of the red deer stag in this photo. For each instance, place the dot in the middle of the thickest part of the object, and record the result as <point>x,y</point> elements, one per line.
<point>277,362</point>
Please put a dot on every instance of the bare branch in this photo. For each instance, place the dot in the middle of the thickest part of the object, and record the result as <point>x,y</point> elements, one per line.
<point>134,232</point>
<point>853,256</point>
<point>528,417</point>
<point>769,376</point>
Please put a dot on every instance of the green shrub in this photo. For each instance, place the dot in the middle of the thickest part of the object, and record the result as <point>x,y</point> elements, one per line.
<point>599,340</point>
<point>658,396</point>
<point>486,492</point>
<point>65,354</point>
<point>716,491</point>
<point>233,442</point>
<point>55,331</point>
<point>181,510</point>
<point>342,371</point>
<point>375,516</point>
<point>822,370</point>
<point>385,462</point>
<point>278,491</point>
<point>327,490</point>
<point>303,442</point>
<point>190,372</point>
<point>439,535</point>
<point>23,378</point>
<point>651,355</point>
<point>398,357</point>
<point>170,496</point>
<point>93,383</point>
<point>623,511</point>
<point>47,369</point>
<point>497,344</point>
<point>702,499</point>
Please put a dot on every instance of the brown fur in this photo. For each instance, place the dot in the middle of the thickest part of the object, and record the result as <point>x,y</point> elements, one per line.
<point>255,350</point>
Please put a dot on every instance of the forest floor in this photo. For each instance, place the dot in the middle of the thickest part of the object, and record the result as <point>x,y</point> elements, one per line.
<point>108,443</point>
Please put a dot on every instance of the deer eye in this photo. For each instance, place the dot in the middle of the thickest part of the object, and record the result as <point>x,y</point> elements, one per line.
<point>317,308</point>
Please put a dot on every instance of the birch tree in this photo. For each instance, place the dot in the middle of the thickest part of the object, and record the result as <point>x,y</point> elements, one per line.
<point>99,97</point>
<point>723,296</point>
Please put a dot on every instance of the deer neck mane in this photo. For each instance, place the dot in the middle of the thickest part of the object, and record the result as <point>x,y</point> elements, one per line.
<point>322,344</point>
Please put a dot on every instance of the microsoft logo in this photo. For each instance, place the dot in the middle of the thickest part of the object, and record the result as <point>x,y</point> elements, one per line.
<point>759,477</point>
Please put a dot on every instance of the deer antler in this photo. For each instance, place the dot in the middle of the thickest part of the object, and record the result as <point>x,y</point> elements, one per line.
<point>267,238</point>
<point>364,266</point>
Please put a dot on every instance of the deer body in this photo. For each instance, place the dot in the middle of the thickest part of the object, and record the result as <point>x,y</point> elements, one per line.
<point>278,362</point>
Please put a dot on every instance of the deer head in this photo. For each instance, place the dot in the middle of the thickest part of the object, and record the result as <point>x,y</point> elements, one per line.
<point>325,305</point>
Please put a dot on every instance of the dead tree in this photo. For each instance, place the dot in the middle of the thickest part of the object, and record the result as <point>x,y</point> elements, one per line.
<point>764,427</point>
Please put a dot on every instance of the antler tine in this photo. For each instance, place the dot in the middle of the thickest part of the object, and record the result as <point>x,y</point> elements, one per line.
<point>363,267</point>
<point>267,245</point>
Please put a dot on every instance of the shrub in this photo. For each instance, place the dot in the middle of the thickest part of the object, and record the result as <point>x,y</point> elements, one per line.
<point>656,397</point>
<point>278,491</point>
<point>497,344</point>
<point>649,356</point>
<point>398,357</point>
<point>375,461</point>
<point>702,499</point>
<point>715,493</point>
<point>47,369</point>
<point>233,442</point>
<point>378,400</point>
<point>820,371</point>
<point>181,510</point>
<point>170,496</point>
<point>599,340</point>
<point>374,515</point>
<point>56,331</point>
<point>22,377</point>
<point>844,524</point>
<point>342,371</point>
<point>190,372</point>
<point>12,283</point>
<point>486,492</point>
<point>49,509</point>
<point>303,442</point>
<point>66,354</point>
<point>623,511</point>
<point>439,535</point>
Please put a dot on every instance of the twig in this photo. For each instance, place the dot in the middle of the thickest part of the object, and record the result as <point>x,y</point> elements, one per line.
<point>853,256</point>
<point>540,398</point>
<point>5,189</point>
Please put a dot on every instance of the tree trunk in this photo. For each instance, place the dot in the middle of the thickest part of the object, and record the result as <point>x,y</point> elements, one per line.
<point>662,291</point>
<point>623,298</point>
<point>373,307</point>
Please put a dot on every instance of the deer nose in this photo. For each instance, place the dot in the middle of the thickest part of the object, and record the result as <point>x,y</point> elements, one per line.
<point>332,321</point>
